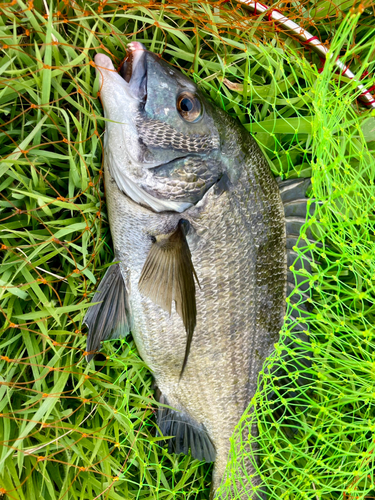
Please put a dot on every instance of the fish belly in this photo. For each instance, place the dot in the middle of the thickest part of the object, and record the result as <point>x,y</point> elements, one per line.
<point>237,242</point>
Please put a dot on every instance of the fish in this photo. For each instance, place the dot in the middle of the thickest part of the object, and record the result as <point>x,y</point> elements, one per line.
<point>202,235</point>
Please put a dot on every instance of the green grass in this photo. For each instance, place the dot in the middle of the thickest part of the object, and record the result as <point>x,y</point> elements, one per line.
<point>71,432</point>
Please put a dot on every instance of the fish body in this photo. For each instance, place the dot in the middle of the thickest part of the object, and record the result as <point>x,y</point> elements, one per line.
<point>207,185</point>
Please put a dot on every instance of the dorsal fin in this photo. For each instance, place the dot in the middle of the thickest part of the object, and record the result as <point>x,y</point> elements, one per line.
<point>293,194</point>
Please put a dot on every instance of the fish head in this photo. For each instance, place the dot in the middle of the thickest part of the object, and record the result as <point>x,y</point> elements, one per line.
<point>162,144</point>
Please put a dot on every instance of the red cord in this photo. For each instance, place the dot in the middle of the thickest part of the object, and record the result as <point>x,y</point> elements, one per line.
<point>310,40</point>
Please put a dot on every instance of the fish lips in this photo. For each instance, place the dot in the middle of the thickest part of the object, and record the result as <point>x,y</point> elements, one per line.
<point>134,70</point>
<point>132,74</point>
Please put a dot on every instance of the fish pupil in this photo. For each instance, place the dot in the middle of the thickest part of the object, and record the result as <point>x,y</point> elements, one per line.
<point>186,105</point>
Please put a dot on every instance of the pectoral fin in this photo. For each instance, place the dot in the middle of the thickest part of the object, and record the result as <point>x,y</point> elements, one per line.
<point>110,318</point>
<point>168,274</point>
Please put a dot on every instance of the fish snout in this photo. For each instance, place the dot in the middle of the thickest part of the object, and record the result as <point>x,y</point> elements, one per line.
<point>133,46</point>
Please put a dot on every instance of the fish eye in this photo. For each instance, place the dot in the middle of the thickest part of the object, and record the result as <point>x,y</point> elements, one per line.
<point>189,106</point>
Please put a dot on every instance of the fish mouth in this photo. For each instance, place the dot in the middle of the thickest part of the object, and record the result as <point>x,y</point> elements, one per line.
<point>134,70</point>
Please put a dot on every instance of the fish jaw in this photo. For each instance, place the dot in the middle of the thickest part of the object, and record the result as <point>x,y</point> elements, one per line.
<point>120,107</point>
<point>115,93</point>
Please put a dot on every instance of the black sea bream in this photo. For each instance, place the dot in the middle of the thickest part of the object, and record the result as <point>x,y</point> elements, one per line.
<point>198,227</point>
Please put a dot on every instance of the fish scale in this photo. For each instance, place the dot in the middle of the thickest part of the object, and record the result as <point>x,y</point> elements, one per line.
<point>155,133</point>
<point>233,239</point>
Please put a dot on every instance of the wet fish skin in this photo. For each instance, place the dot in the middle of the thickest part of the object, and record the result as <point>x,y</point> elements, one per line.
<point>237,244</point>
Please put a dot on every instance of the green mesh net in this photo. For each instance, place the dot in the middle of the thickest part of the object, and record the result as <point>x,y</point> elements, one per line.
<point>71,432</point>
<point>316,440</point>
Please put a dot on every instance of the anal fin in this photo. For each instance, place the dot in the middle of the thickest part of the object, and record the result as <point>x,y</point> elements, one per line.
<point>187,433</point>
<point>111,317</point>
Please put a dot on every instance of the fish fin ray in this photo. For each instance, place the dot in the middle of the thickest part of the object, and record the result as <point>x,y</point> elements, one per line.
<point>186,432</point>
<point>300,256</point>
<point>168,275</point>
<point>111,317</point>
<point>293,189</point>
<point>293,194</point>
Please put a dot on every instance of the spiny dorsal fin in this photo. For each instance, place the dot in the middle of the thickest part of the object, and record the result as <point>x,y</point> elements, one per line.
<point>111,318</point>
<point>168,274</point>
<point>293,189</point>
<point>293,195</point>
